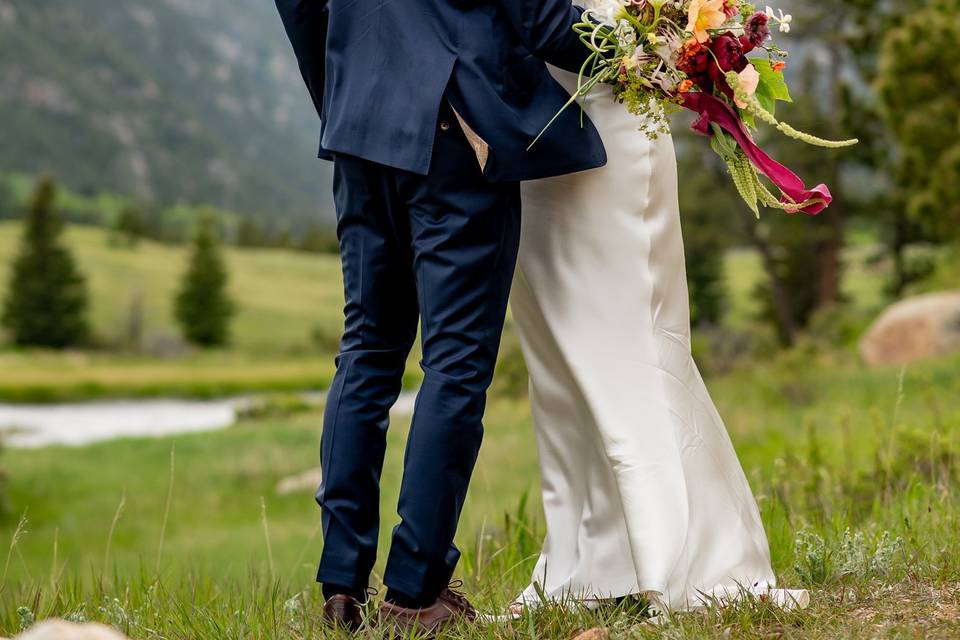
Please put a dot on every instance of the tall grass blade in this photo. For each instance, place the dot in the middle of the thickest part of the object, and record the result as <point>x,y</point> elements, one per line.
<point>14,540</point>
<point>113,526</point>
<point>266,535</point>
<point>166,508</point>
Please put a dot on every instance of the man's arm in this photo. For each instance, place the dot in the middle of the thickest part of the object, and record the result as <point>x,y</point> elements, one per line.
<point>546,28</point>
<point>306,23</point>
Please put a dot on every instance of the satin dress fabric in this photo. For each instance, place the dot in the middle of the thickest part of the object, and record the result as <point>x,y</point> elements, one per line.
<point>642,487</point>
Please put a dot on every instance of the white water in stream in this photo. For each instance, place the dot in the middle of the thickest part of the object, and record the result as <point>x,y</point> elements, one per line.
<point>31,426</point>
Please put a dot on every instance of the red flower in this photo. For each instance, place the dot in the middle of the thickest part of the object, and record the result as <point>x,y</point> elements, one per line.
<point>695,61</point>
<point>756,30</point>
<point>728,51</point>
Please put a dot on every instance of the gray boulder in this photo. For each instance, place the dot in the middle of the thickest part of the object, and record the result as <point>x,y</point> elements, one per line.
<point>917,328</point>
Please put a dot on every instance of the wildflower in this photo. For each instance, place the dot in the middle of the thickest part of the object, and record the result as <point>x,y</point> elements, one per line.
<point>685,85</point>
<point>778,66</point>
<point>704,15</point>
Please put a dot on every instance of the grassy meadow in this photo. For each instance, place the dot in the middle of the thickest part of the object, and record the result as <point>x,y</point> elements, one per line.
<point>855,471</point>
<point>283,336</point>
<point>188,537</point>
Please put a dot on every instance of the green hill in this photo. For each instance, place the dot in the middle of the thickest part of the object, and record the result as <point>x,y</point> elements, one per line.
<point>169,101</point>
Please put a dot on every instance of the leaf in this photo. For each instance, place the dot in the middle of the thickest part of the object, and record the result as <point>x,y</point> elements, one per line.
<point>722,143</point>
<point>766,99</point>
<point>771,82</point>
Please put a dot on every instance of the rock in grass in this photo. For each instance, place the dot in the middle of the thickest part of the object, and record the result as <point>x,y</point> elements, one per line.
<point>300,483</point>
<point>914,329</point>
<point>597,633</point>
<point>62,630</point>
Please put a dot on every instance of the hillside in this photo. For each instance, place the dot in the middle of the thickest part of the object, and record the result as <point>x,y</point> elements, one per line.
<point>193,101</point>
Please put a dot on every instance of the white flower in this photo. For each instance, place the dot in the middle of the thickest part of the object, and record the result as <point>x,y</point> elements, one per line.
<point>783,19</point>
<point>609,10</point>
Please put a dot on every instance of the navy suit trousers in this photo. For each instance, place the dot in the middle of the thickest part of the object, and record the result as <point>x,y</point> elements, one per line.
<point>438,249</point>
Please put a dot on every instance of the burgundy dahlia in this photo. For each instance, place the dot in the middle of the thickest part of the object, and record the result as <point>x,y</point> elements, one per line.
<point>729,54</point>
<point>755,31</point>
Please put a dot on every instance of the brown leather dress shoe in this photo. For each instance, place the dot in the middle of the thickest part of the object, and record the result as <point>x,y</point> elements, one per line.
<point>451,607</point>
<point>343,611</point>
<point>457,600</point>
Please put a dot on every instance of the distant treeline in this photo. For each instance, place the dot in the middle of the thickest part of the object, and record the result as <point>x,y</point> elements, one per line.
<point>131,220</point>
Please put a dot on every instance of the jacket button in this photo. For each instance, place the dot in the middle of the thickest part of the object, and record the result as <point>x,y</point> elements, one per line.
<point>444,125</point>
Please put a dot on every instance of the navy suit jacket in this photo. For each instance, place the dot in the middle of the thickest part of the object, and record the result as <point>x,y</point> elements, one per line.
<point>378,71</point>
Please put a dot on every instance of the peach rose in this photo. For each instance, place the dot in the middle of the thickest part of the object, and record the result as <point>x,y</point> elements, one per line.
<point>749,81</point>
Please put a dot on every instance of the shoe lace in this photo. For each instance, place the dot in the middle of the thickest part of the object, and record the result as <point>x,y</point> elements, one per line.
<point>454,593</point>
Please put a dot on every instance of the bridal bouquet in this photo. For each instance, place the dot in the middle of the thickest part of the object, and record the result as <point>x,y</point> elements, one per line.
<point>663,55</point>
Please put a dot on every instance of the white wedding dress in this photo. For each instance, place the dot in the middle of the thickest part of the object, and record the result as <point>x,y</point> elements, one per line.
<point>642,488</point>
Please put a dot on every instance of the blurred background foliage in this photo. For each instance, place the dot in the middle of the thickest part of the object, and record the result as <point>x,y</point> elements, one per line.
<point>156,117</point>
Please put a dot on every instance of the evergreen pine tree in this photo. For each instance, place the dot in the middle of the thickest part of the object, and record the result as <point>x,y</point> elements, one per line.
<point>202,307</point>
<point>46,301</point>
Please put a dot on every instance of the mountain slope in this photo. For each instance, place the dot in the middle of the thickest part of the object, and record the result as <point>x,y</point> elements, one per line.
<point>197,101</point>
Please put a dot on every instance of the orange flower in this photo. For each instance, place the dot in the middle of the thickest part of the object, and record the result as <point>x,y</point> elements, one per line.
<point>704,15</point>
<point>685,85</point>
<point>778,66</point>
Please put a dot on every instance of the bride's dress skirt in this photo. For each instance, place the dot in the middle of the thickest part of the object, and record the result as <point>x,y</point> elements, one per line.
<point>642,488</point>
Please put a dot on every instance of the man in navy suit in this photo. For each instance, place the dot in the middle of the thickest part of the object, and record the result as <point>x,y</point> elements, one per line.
<point>427,110</point>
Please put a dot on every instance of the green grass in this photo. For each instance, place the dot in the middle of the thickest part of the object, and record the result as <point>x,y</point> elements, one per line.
<point>282,296</point>
<point>56,377</point>
<point>828,446</point>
